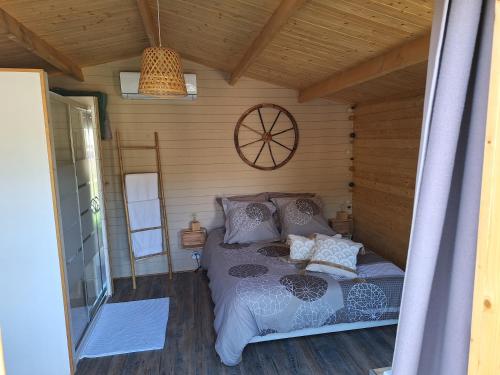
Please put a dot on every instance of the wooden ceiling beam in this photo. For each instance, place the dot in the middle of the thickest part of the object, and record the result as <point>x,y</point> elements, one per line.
<point>409,54</point>
<point>150,24</point>
<point>266,35</point>
<point>17,32</point>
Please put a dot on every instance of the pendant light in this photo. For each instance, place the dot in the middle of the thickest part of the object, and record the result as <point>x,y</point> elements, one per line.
<point>161,70</point>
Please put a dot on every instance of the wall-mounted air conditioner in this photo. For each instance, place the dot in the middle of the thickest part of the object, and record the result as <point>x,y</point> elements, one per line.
<point>129,83</point>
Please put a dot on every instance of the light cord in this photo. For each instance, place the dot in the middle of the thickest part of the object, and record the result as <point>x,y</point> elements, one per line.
<point>159,27</point>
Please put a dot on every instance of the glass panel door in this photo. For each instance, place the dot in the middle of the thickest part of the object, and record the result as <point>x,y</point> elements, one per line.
<point>84,152</point>
<point>70,219</point>
<point>96,189</point>
<point>76,156</point>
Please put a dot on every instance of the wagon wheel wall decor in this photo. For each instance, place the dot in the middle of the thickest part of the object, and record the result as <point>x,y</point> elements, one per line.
<point>266,136</point>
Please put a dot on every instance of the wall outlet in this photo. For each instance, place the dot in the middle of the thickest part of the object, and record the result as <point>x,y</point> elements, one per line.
<point>196,257</point>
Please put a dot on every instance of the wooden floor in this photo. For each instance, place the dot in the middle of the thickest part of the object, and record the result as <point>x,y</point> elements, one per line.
<point>190,340</point>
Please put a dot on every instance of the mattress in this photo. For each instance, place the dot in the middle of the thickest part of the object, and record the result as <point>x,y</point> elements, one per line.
<point>257,292</point>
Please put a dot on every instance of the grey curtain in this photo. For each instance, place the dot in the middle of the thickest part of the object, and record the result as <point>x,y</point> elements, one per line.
<point>434,330</point>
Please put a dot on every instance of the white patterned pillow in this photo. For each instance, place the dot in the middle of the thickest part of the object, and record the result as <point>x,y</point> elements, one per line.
<point>301,248</point>
<point>319,236</point>
<point>336,256</point>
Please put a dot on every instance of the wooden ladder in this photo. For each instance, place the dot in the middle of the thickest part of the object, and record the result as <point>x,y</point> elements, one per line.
<point>163,211</point>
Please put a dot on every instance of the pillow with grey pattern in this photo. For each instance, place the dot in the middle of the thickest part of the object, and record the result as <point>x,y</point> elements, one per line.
<point>277,194</point>
<point>249,222</point>
<point>301,216</point>
<point>259,197</point>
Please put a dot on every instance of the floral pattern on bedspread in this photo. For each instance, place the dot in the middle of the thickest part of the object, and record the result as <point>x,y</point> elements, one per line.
<point>256,292</point>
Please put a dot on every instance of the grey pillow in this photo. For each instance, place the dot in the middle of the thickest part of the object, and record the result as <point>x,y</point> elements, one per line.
<point>301,216</point>
<point>249,222</point>
<point>278,194</point>
<point>260,197</point>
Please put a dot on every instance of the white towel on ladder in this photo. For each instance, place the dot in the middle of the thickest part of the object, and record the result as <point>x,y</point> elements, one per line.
<point>141,186</point>
<point>144,212</point>
<point>148,242</point>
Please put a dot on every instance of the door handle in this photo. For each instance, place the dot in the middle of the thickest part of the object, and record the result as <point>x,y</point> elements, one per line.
<point>94,204</point>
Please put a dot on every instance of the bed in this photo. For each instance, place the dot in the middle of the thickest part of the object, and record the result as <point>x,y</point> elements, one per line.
<point>260,296</point>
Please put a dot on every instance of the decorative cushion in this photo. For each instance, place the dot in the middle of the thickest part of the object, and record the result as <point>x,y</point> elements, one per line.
<point>301,248</point>
<point>336,256</point>
<point>249,222</point>
<point>301,216</point>
<point>319,236</point>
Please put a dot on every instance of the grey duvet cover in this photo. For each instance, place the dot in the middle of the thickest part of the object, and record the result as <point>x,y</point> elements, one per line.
<point>256,292</point>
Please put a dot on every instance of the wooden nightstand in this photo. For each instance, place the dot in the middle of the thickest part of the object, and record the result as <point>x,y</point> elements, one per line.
<point>344,227</point>
<point>193,239</point>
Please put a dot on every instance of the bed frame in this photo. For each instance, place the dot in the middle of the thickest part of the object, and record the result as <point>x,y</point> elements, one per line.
<point>324,329</point>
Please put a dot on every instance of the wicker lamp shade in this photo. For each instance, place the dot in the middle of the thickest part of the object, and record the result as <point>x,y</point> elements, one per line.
<point>161,73</point>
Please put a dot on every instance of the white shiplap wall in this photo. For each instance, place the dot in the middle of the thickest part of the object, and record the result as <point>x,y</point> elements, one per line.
<point>198,156</point>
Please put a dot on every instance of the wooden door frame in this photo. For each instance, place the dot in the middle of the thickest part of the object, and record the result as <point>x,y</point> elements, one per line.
<point>485,330</point>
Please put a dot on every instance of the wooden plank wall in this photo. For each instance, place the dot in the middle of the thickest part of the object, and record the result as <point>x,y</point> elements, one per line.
<point>385,160</point>
<point>198,155</point>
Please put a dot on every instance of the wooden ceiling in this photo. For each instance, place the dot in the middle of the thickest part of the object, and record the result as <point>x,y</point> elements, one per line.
<point>292,43</point>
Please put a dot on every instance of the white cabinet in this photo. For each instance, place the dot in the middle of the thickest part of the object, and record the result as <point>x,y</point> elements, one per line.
<point>52,245</point>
